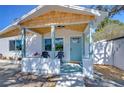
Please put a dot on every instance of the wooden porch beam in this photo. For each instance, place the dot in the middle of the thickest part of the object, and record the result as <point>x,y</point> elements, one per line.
<point>57,24</point>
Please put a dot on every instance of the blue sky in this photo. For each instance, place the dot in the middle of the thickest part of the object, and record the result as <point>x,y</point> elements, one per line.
<point>119,17</point>
<point>8,13</point>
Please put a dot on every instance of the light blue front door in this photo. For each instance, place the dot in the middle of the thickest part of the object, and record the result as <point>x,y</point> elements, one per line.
<point>75,49</point>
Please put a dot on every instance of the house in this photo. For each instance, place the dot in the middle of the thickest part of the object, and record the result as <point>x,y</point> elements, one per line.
<point>52,28</point>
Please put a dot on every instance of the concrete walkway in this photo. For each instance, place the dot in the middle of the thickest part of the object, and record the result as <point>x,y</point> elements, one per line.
<point>70,80</point>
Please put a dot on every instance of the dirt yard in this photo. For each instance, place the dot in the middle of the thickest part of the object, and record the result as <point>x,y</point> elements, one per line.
<point>110,72</point>
<point>10,76</point>
<point>104,76</point>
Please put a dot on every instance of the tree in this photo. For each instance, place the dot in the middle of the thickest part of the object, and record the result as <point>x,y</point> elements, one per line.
<point>108,28</point>
<point>112,9</point>
<point>106,22</point>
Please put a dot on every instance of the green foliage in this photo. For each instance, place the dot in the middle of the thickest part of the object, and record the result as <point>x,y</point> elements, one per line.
<point>109,31</point>
<point>106,22</point>
<point>109,28</point>
<point>59,47</point>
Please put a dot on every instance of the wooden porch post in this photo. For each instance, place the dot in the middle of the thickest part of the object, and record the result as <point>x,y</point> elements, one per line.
<point>53,41</point>
<point>23,33</point>
<point>91,39</point>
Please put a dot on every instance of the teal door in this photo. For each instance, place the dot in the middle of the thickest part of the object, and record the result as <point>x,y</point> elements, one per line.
<point>75,49</point>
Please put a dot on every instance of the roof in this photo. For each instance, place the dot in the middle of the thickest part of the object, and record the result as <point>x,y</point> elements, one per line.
<point>46,8</point>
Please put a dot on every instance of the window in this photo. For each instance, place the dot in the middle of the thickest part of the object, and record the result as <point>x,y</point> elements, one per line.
<point>18,45</point>
<point>58,44</point>
<point>48,44</point>
<point>15,45</point>
<point>12,45</point>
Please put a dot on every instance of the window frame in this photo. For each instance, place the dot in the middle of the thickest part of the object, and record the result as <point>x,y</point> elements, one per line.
<point>15,45</point>
<point>55,44</point>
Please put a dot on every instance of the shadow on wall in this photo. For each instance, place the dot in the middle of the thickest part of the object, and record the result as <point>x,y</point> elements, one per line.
<point>41,66</point>
<point>109,52</point>
<point>103,52</point>
<point>33,44</point>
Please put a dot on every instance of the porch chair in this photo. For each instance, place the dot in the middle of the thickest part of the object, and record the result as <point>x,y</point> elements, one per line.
<point>45,54</point>
<point>60,56</point>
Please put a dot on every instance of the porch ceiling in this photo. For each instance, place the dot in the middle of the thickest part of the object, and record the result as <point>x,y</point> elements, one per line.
<point>76,27</point>
<point>10,33</point>
<point>44,30</point>
<point>58,18</point>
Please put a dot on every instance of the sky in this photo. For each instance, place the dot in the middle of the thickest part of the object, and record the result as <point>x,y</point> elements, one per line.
<point>9,13</point>
<point>119,17</point>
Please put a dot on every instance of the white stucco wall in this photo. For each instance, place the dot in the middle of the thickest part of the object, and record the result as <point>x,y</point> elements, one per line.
<point>34,43</point>
<point>4,47</point>
<point>109,52</point>
<point>103,52</point>
<point>41,66</point>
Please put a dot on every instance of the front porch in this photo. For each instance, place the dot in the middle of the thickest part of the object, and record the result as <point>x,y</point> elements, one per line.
<point>76,46</point>
<point>73,43</point>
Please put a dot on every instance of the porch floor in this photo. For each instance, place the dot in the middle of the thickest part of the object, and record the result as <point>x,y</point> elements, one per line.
<point>70,68</point>
<point>71,75</point>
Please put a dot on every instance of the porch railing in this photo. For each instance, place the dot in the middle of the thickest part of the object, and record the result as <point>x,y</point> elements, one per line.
<point>41,66</point>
